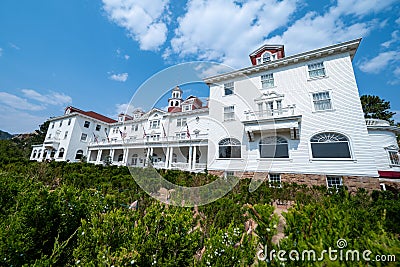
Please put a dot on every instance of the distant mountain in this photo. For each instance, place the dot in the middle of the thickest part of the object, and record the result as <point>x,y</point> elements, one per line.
<point>5,135</point>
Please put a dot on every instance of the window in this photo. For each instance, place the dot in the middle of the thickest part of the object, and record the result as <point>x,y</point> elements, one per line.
<point>135,127</point>
<point>61,153</point>
<point>274,147</point>
<point>155,137</point>
<point>229,148</point>
<point>66,135</point>
<point>154,124</point>
<point>316,70</point>
<point>228,88</point>
<point>186,107</point>
<point>394,158</point>
<point>330,145</point>
<point>181,135</point>
<point>266,57</point>
<point>60,123</point>
<point>69,122</point>
<point>83,137</point>
<point>322,101</point>
<point>274,180</point>
<point>40,153</point>
<point>134,159</point>
<point>181,122</point>
<point>52,125</point>
<point>267,81</point>
<point>34,153</point>
<point>334,182</point>
<point>229,174</point>
<point>120,157</point>
<point>79,154</point>
<point>98,127</point>
<point>52,153</point>
<point>49,137</point>
<point>87,124</point>
<point>229,113</point>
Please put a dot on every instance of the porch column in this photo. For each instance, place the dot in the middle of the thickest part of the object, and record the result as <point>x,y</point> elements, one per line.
<point>88,155</point>
<point>146,161</point>
<point>171,152</point>
<point>112,151</point>
<point>190,157</point>
<point>194,157</point>
<point>98,159</point>
<point>167,158</point>
<point>125,157</point>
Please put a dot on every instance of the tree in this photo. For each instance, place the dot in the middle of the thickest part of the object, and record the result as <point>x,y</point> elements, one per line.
<point>376,108</point>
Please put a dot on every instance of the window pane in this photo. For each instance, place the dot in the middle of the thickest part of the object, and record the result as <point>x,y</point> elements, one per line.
<point>330,150</point>
<point>274,151</point>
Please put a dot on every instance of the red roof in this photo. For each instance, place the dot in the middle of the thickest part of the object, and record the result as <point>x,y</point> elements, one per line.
<point>91,114</point>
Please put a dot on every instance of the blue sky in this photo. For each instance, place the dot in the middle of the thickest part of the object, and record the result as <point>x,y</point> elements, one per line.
<point>94,54</point>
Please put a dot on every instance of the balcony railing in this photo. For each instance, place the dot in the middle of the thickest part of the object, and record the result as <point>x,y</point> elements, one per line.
<point>376,122</point>
<point>150,139</point>
<point>270,113</point>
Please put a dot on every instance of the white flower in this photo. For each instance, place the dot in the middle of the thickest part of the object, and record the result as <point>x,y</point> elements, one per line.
<point>78,261</point>
<point>268,229</point>
<point>132,261</point>
<point>275,225</point>
<point>83,232</point>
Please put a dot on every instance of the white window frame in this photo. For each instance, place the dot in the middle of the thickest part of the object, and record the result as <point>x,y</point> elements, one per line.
<point>83,137</point>
<point>229,113</point>
<point>229,86</point>
<point>181,122</point>
<point>154,124</point>
<point>392,160</point>
<point>267,81</point>
<point>275,180</point>
<point>315,67</point>
<point>98,127</point>
<point>313,101</point>
<point>335,185</point>
<point>86,124</point>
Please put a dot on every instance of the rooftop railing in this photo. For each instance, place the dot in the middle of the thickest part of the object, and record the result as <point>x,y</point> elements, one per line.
<point>271,113</point>
<point>376,122</point>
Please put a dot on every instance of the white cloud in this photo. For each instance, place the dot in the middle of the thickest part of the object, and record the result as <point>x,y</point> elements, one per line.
<point>14,46</point>
<point>398,21</point>
<point>17,102</point>
<point>126,57</point>
<point>395,38</point>
<point>207,33</point>
<point>145,21</point>
<point>122,77</point>
<point>396,116</point>
<point>53,98</point>
<point>317,30</point>
<point>378,63</point>
<point>20,121</point>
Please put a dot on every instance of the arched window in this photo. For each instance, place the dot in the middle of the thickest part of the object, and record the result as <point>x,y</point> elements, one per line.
<point>45,153</point>
<point>229,148</point>
<point>61,153</point>
<point>274,147</point>
<point>34,153</point>
<point>266,57</point>
<point>120,157</point>
<point>39,154</point>
<point>330,145</point>
<point>52,153</point>
<point>79,154</point>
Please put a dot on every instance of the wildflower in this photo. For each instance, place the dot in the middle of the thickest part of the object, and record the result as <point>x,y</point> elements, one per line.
<point>78,261</point>
<point>83,232</point>
<point>268,230</point>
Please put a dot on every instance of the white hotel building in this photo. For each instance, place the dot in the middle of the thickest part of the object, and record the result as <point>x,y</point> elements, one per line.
<point>290,119</point>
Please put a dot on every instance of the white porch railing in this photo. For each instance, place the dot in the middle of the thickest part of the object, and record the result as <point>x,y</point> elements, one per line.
<point>376,122</point>
<point>270,113</point>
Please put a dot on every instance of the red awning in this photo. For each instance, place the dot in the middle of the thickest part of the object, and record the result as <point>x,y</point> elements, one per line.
<point>389,174</point>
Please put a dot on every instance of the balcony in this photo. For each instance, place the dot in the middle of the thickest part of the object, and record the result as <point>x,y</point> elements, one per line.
<point>152,139</point>
<point>270,114</point>
<point>52,143</point>
<point>376,122</point>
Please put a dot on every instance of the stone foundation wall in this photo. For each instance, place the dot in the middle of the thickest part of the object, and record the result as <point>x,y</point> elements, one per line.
<point>351,182</point>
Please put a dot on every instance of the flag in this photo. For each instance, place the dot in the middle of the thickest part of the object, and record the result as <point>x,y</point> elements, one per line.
<point>144,132</point>
<point>123,135</point>
<point>95,138</point>
<point>187,131</point>
<point>165,134</point>
<point>108,139</point>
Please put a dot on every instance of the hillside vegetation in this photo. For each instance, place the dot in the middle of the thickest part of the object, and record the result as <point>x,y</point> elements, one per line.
<point>78,214</point>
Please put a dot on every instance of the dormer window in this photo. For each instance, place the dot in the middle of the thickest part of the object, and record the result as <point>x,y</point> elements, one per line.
<point>266,57</point>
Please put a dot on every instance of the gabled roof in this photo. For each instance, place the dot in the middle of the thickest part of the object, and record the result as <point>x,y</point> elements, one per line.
<point>91,114</point>
<point>266,47</point>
